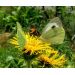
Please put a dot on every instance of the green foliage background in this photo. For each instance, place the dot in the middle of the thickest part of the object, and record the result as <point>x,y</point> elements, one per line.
<point>38,16</point>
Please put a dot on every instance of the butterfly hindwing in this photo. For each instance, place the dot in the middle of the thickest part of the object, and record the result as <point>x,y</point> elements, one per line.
<point>53,33</point>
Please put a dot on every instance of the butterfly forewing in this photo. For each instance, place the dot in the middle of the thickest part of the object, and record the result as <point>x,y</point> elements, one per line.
<point>53,32</point>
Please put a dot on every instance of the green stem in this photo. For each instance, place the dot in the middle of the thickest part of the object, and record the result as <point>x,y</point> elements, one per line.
<point>28,64</point>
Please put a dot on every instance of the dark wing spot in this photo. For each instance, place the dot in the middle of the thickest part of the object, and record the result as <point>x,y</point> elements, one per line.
<point>53,27</point>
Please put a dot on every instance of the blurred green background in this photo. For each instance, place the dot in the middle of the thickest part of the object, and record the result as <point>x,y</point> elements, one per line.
<point>39,17</point>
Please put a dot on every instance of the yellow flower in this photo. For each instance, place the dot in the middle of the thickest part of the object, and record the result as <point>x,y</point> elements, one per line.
<point>44,59</point>
<point>33,44</point>
<point>47,55</point>
<point>58,62</point>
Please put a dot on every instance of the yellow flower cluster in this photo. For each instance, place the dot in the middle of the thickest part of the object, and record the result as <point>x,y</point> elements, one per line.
<point>33,44</point>
<point>55,62</point>
<point>47,54</point>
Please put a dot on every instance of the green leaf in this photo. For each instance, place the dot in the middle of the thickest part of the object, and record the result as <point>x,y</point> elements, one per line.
<point>20,36</point>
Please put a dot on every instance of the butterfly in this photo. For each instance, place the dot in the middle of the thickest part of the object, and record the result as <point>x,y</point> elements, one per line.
<point>53,32</point>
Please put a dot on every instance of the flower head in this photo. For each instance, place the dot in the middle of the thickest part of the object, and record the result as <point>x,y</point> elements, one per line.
<point>54,62</point>
<point>32,45</point>
<point>36,46</point>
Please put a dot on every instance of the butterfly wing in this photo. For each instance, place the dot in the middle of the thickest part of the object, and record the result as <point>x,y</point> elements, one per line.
<point>53,33</point>
<point>20,36</point>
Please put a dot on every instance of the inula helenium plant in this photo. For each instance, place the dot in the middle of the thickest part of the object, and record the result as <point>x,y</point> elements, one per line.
<point>36,51</point>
